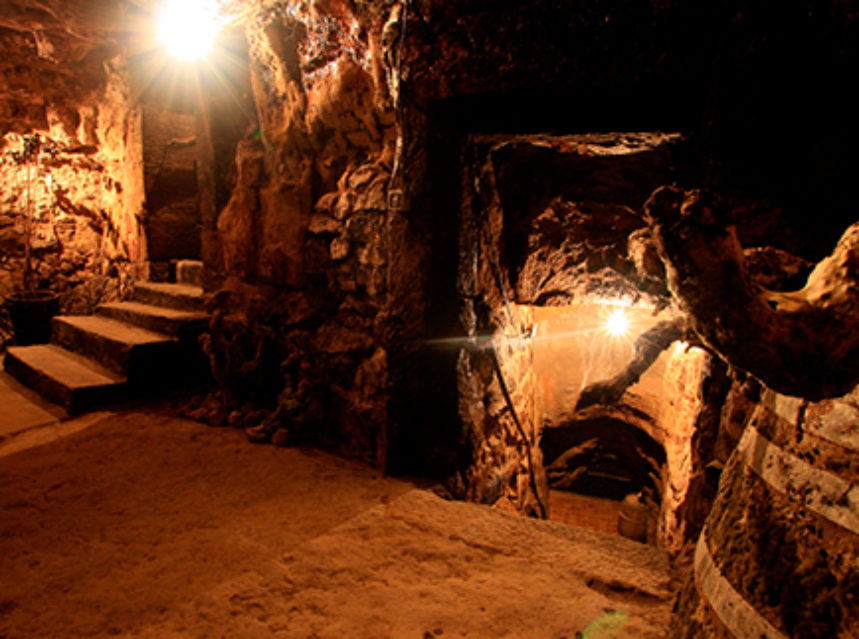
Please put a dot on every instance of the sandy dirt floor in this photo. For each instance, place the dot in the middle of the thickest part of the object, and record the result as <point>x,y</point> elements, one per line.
<point>21,409</point>
<point>145,525</point>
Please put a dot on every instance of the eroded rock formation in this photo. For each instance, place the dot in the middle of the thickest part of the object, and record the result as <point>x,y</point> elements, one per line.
<point>309,215</point>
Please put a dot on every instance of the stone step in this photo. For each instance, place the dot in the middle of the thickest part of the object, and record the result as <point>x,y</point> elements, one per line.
<point>160,319</point>
<point>128,350</point>
<point>70,380</point>
<point>183,297</point>
<point>189,272</point>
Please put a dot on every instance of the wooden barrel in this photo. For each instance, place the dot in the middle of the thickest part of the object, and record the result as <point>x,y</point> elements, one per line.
<point>779,554</point>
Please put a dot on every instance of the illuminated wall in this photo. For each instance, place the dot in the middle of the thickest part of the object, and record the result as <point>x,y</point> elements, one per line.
<point>87,195</point>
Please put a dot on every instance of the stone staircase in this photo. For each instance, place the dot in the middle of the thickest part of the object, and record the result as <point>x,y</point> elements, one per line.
<point>124,350</point>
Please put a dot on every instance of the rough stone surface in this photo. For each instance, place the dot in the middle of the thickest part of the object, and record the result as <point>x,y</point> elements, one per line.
<point>61,48</point>
<point>336,102</point>
<point>309,214</point>
<point>696,383</point>
<point>87,240</point>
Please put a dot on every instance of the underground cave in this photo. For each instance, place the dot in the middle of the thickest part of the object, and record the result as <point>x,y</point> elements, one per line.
<point>520,319</point>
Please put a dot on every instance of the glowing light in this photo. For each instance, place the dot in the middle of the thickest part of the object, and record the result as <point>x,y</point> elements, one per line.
<point>617,323</point>
<point>187,28</point>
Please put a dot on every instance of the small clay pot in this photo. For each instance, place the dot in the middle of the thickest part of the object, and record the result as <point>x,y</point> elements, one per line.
<point>632,519</point>
<point>31,315</point>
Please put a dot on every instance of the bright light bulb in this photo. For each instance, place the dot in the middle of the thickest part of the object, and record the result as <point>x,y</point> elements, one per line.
<point>187,28</point>
<point>617,323</point>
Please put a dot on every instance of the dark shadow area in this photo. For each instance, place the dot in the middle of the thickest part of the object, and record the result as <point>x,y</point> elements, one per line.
<point>603,457</point>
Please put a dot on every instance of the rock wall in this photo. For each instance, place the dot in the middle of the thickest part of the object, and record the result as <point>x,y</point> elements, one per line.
<point>86,194</point>
<point>309,218</point>
<point>696,383</point>
<point>495,370</point>
<point>53,67</point>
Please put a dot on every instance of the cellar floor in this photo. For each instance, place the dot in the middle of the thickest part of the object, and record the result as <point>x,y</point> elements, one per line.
<point>135,523</point>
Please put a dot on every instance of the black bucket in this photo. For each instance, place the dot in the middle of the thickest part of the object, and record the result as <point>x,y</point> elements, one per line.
<point>31,315</point>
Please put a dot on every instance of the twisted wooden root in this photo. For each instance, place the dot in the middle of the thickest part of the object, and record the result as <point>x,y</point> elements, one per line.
<point>803,343</point>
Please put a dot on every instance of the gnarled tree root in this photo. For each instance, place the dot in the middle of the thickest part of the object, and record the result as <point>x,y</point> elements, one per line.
<point>803,343</point>
<point>647,348</point>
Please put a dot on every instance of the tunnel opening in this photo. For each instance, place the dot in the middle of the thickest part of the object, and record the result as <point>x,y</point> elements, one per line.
<point>561,292</point>
<point>594,464</point>
<point>601,459</point>
<point>172,214</point>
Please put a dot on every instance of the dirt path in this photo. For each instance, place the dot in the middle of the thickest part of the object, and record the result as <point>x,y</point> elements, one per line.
<point>147,525</point>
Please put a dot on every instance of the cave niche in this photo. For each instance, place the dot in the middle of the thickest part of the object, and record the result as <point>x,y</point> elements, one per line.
<point>603,459</point>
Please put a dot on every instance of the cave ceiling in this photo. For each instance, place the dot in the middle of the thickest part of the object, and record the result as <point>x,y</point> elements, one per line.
<point>53,52</point>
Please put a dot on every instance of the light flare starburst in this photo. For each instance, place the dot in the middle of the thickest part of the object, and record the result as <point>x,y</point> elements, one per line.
<point>617,323</point>
<point>187,28</point>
